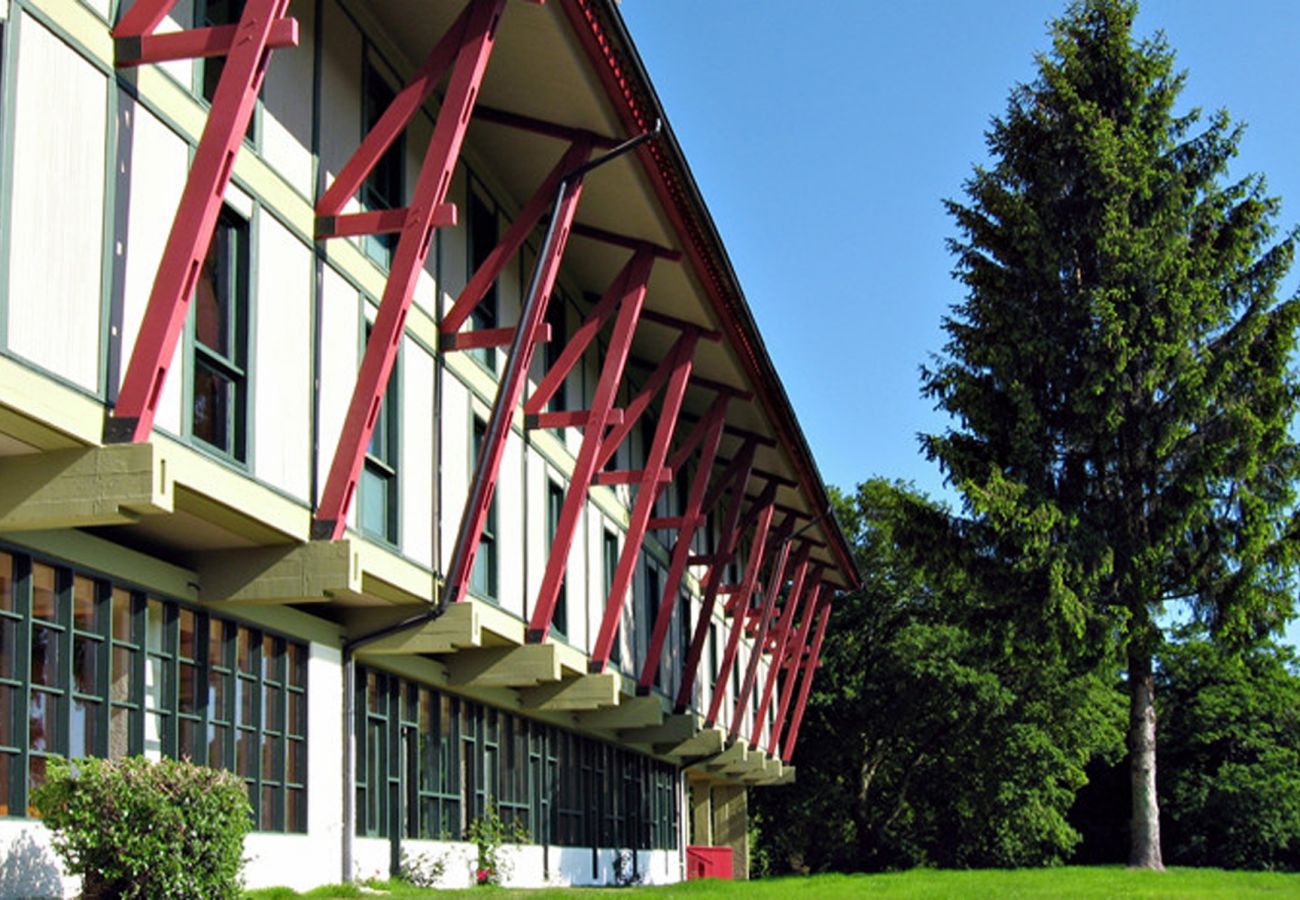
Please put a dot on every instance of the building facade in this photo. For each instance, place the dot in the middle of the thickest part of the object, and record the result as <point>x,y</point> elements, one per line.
<point>381,419</point>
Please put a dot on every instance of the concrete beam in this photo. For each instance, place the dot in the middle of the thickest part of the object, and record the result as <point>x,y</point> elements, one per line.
<point>80,488</point>
<point>631,712</point>
<point>734,759</point>
<point>673,730</point>
<point>586,692</point>
<point>504,667</point>
<point>315,572</point>
<point>456,628</point>
<point>705,743</point>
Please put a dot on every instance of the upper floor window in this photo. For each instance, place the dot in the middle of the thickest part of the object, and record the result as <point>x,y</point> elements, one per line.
<point>209,13</point>
<point>383,189</point>
<point>610,559</point>
<point>554,504</point>
<point>379,487</point>
<point>483,234</point>
<point>483,580</point>
<point>219,392</point>
<point>557,319</point>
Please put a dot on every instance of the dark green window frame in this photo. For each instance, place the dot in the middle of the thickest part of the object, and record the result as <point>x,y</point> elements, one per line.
<point>218,385</point>
<point>89,667</point>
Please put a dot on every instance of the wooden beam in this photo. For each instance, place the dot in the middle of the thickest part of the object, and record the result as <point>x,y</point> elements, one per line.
<point>80,488</point>
<point>586,692</point>
<point>504,667</point>
<point>304,573</point>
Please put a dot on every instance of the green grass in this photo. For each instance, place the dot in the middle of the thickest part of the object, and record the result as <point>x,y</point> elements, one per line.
<point>1092,883</point>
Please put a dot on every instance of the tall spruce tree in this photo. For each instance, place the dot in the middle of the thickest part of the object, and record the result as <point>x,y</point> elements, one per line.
<point>1119,371</point>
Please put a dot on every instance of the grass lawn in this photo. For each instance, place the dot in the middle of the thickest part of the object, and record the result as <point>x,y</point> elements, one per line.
<point>994,884</point>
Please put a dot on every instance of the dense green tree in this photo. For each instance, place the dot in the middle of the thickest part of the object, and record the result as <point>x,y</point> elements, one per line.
<point>935,734</point>
<point>1118,371</point>
<point>1230,754</point>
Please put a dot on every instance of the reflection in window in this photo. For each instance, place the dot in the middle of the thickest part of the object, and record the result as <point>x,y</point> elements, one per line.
<point>219,394</point>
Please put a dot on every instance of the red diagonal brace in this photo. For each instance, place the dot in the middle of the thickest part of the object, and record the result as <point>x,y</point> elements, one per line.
<point>709,430</point>
<point>757,556</point>
<point>473,46</point>
<point>805,685</point>
<point>200,205</point>
<point>633,411</point>
<point>781,634</point>
<point>678,366</point>
<point>713,580</point>
<point>776,579</point>
<point>487,274</point>
<point>194,43</point>
<point>790,663</point>
<point>632,296</point>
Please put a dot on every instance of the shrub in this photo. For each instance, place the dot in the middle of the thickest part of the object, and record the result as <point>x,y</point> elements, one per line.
<point>136,828</point>
<point>488,833</point>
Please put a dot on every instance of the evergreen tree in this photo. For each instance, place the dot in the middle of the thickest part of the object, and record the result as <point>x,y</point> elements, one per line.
<point>1118,370</point>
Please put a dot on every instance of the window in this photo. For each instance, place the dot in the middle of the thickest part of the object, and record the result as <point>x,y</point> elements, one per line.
<point>483,580</point>
<point>684,617</point>
<point>556,318</point>
<point>483,238</point>
<point>111,671</point>
<point>383,189</point>
<point>379,488</point>
<point>652,613</point>
<point>610,558</point>
<point>219,397</point>
<point>209,13</point>
<point>713,655</point>
<point>554,504</point>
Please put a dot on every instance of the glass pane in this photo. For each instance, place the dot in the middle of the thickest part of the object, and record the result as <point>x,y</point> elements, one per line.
<point>297,713</point>
<point>119,732</point>
<point>297,665</point>
<point>45,656</point>
<point>188,625</point>
<point>7,761</point>
<point>217,758</point>
<point>296,762</point>
<point>35,778</point>
<point>44,605</point>
<point>295,810</point>
<point>245,692</point>
<point>246,753</point>
<point>217,708</point>
<point>155,625</point>
<point>217,643</point>
<point>373,498</point>
<point>212,298</point>
<point>123,674</point>
<point>189,688</point>
<point>43,722</point>
<point>271,701</point>
<point>272,670</point>
<point>212,403</point>
<point>155,673</point>
<point>7,738</point>
<point>85,665</point>
<point>270,756</point>
<point>8,647</point>
<point>244,650</point>
<point>153,735</point>
<point>187,737</point>
<point>81,737</point>
<point>122,616</point>
<point>8,602</point>
<point>84,612</point>
<point>267,820</point>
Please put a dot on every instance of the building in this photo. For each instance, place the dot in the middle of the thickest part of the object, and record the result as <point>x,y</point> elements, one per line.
<point>310,469</point>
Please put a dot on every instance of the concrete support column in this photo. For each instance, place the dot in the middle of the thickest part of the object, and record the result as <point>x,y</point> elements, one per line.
<point>701,812</point>
<point>731,825</point>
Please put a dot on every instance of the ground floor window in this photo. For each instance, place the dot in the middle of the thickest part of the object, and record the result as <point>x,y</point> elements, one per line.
<point>429,763</point>
<point>90,667</point>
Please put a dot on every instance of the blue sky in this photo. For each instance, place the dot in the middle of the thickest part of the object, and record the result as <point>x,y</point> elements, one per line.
<point>824,136</point>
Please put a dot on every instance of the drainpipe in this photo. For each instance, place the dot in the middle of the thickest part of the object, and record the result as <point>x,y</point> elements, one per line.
<point>480,485</point>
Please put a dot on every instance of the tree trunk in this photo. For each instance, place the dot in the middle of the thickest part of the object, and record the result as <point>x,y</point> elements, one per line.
<point>1144,827</point>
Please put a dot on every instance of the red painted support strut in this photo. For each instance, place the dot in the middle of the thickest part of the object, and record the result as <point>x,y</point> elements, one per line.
<point>678,366</point>
<point>628,293</point>
<point>782,635</point>
<point>775,581</point>
<point>707,434</point>
<point>789,663</point>
<point>738,478</point>
<point>740,600</point>
<point>261,26</point>
<point>805,685</point>
<point>471,49</point>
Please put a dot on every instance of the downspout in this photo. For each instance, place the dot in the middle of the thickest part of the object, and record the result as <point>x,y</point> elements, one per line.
<point>479,486</point>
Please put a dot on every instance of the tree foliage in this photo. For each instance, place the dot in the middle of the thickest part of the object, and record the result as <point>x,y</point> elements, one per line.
<point>935,734</point>
<point>1118,370</point>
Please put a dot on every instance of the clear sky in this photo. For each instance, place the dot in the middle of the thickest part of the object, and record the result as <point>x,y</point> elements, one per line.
<point>824,135</point>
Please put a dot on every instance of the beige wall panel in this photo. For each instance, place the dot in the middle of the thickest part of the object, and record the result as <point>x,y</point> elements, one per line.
<point>454,449</point>
<point>340,126</point>
<point>282,360</point>
<point>152,164</point>
<point>58,196</point>
<point>285,138</point>
<point>454,252</point>
<point>415,473</point>
<point>340,356</point>
<point>535,534</point>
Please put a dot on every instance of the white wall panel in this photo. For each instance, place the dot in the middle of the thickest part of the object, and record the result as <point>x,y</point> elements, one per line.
<point>282,360</point>
<point>285,137</point>
<point>415,472</point>
<point>340,130</point>
<point>338,364</point>
<point>454,448</point>
<point>509,500</point>
<point>55,257</point>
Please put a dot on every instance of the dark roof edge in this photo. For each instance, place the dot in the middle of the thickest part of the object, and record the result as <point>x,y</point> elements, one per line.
<point>604,35</point>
